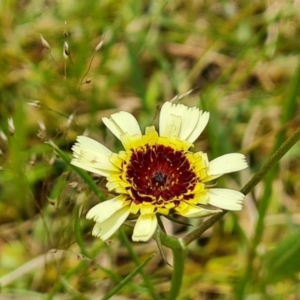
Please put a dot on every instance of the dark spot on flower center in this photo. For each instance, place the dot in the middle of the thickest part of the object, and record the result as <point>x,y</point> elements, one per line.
<point>160,174</point>
<point>159,177</point>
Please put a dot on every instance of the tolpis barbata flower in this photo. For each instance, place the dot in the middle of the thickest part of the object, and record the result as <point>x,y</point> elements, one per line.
<point>156,173</point>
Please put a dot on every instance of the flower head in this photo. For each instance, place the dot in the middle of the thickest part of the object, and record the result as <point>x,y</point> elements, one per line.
<point>156,173</point>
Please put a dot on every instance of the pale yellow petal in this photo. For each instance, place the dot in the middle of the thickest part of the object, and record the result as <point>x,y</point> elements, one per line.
<point>147,208</point>
<point>107,228</point>
<point>197,212</point>
<point>169,121</point>
<point>92,156</point>
<point>178,120</point>
<point>199,127</point>
<point>173,127</point>
<point>224,164</point>
<point>84,166</point>
<point>95,160</point>
<point>122,122</point>
<point>226,199</point>
<point>144,228</point>
<point>88,143</point>
<point>190,120</point>
<point>106,209</point>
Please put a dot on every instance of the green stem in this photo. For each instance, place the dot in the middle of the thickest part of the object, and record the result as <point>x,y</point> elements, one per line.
<point>195,234</point>
<point>275,157</point>
<point>78,232</point>
<point>288,113</point>
<point>179,253</point>
<point>177,275</point>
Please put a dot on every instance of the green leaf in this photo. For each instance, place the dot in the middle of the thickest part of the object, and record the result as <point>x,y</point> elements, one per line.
<point>283,261</point>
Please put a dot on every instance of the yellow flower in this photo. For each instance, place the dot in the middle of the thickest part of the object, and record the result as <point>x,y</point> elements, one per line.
<point>156,173</point>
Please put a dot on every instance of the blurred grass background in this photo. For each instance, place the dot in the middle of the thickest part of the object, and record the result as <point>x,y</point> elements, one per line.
<point>242,59</point>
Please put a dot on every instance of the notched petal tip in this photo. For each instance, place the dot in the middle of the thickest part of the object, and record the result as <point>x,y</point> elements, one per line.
<point>202,121</point>
<point>228,163</point>
<point>226,199</point>
<point>122,122</point>
<point>92,156</point>
<point>105,210</point>
<point>190,124</point>
<point>144,228</point>
<point>109,225</point>
<point>84,143</point>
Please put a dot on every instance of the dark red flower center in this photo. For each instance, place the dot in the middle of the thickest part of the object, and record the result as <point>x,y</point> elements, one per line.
<point>160,174</point>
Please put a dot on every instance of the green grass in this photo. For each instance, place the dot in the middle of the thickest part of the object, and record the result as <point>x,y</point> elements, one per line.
<point>242,60</point>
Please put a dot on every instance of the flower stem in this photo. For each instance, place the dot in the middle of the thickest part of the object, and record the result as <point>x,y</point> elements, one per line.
<point>195,234</point>
<point>179,253</point>
<point>275,157</point>
<point>178,270</point>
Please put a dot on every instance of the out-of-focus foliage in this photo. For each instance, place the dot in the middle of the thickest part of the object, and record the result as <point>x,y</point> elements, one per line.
<point>57,82</point>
